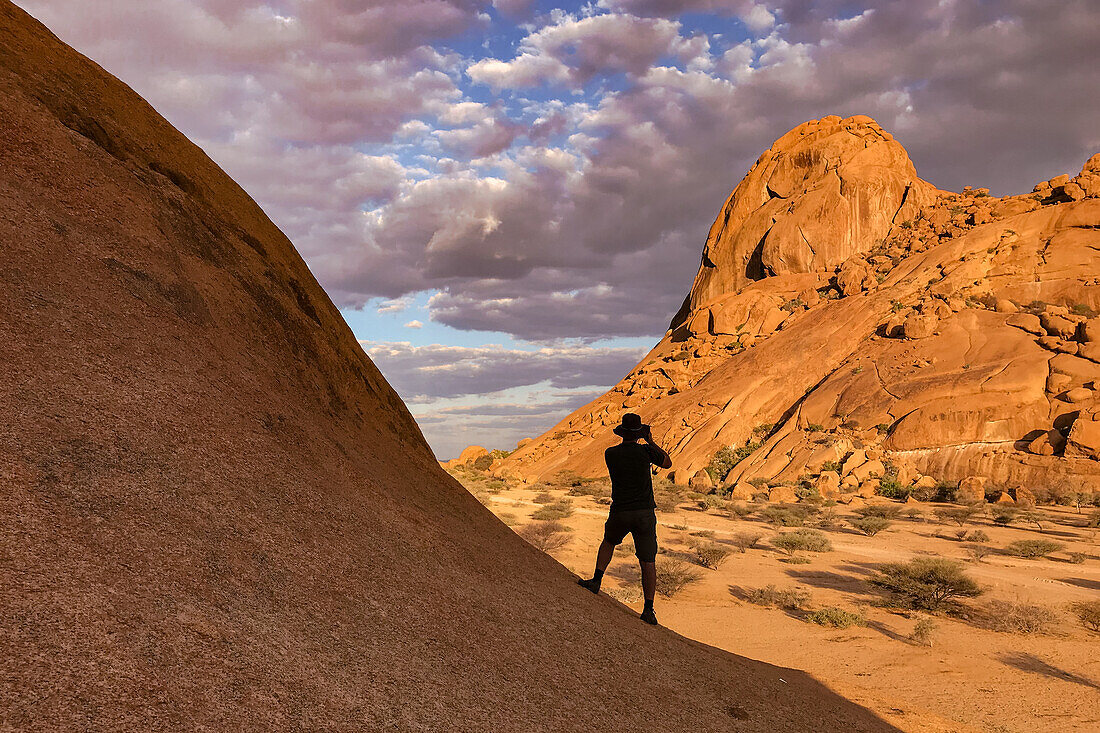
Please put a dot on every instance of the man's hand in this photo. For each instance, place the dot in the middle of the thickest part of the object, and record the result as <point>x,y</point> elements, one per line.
<point>661,457</point>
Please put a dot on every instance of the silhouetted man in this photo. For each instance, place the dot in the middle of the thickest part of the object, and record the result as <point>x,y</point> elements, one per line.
<point>632,506</point>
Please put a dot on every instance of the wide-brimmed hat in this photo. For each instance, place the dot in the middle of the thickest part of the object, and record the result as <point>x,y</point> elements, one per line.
<point>631,426</point>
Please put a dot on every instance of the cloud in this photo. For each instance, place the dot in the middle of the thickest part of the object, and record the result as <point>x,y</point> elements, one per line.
<point>396,305</point>
<point>398,165</point>
<point>440,371</point>
<point>414,324</point>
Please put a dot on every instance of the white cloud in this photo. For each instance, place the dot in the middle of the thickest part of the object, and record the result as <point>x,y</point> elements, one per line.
<point>414,324</point>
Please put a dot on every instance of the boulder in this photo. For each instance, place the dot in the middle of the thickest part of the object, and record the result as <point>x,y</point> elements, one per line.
<point>1058,326</point>
<point>471,453</point>
<point>1027,322</point>
<point>782,494</point>
<point>828,484</point>
<point>1078,395</point>
<point>919,325</point>
<point>906,474</point>
<point>971,490</point>
<point>1083,440</point>
<point>1090,332</point>
<point>701,482</point>
<point>1048,443</point>
<point>858,458</point>
<point>1004,305</point>
<point>868,488</point>
<point>925,482</point>
<point>1005,498</point>
<point>742,491</point>
<point>868,470</point>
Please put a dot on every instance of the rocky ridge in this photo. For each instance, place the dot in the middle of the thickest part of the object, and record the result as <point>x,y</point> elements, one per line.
<point>847,313</point>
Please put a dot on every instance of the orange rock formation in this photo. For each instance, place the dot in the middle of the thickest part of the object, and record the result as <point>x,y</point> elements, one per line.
<point>215,512</point>
<point>848,312</point>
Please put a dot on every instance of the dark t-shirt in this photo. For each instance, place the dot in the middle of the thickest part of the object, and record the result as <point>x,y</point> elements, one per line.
<point>631,483</point>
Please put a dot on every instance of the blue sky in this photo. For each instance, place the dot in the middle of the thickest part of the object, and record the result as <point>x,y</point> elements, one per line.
<point>532,182</point>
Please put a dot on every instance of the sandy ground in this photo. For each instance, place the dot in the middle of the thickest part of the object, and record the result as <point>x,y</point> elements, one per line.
<point>970,679</point>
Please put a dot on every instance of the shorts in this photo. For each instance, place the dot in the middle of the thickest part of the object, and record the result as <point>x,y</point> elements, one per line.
<point>639,523</point>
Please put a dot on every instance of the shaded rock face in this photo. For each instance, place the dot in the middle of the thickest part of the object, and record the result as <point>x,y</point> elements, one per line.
<point>215,512</point>
<point>954,333</point>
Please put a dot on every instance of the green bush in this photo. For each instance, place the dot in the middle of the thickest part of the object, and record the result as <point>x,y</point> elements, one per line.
<point>728,457</point>
<point>709,554</point>
<point>807,540</point>
<point>1088,613</point>
<point>792,599</point>
<point>891,488</point>
<point>926,582</point>
<point>1033,549</point>
<point>560,509</point>
<point>1004,515</point>
<point>785,515</point>
<point>884,511</point>
<point>838,618</point>
<point>923,631</point>
<point>870,526</point>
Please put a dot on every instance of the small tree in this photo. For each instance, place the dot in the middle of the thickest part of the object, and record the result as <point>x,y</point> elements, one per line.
<point>978,553</point>
<point>923,631</point>
<point>926,582</point>
<point>1035,517</point>
<point>870,526</point>
<point>1033,549</point>
<point>546,536</point>
<point>960,515</point>
<point>746,540</point>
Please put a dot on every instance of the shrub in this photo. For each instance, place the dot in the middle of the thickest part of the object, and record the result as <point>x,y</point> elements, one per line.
<point>808,540</point>
<point>978,536</point>
<point>978,553</point>
<point>560,509</point>
<point>1034,517</point>
<point>709,554</point>
<point>746,540</point>
<point>1004,515</point>
<point>830,466</point>
<point>1088,612</point>
<point>945,491</point>
<point>673,576</point>
<point>815,427</point>
<point>1078,558</point>
<point>960,515</point>
<point>508,518</point>
<point>792,599</point>
<point>1093,520</point>
<point>1032,549</point>
<point>784,515</point>
<point>836,617</point>
<point>923,631</point>
<point>883,511</point>
<point>543,497</point>
<point>913,514</point>
<point>870,526</point>
<point>828,519</point>
<point>926,582</point>
<point>891,488</point>
<point>739,510</point>
<point>546,536</point>
<point>1018,618</point>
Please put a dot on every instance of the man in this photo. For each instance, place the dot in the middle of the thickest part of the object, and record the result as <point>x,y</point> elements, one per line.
<point>632,506</point>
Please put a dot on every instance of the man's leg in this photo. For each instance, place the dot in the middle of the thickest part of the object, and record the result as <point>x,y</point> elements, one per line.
<point>603,559</point>
<point>649,589</point>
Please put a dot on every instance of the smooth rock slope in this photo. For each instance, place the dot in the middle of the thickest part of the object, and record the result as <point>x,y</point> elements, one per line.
<point>215,513</point>
<point>847,312</point>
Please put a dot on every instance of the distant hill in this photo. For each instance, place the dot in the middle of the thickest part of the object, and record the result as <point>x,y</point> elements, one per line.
<point>848,312</point>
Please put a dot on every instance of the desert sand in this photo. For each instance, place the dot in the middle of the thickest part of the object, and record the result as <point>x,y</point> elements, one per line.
<point>968,677</point>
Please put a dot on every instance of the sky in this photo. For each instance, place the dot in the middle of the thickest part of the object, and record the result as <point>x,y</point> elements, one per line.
<point>507,199</point>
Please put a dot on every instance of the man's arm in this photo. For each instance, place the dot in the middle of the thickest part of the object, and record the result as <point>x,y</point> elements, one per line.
<point>660,458</point>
